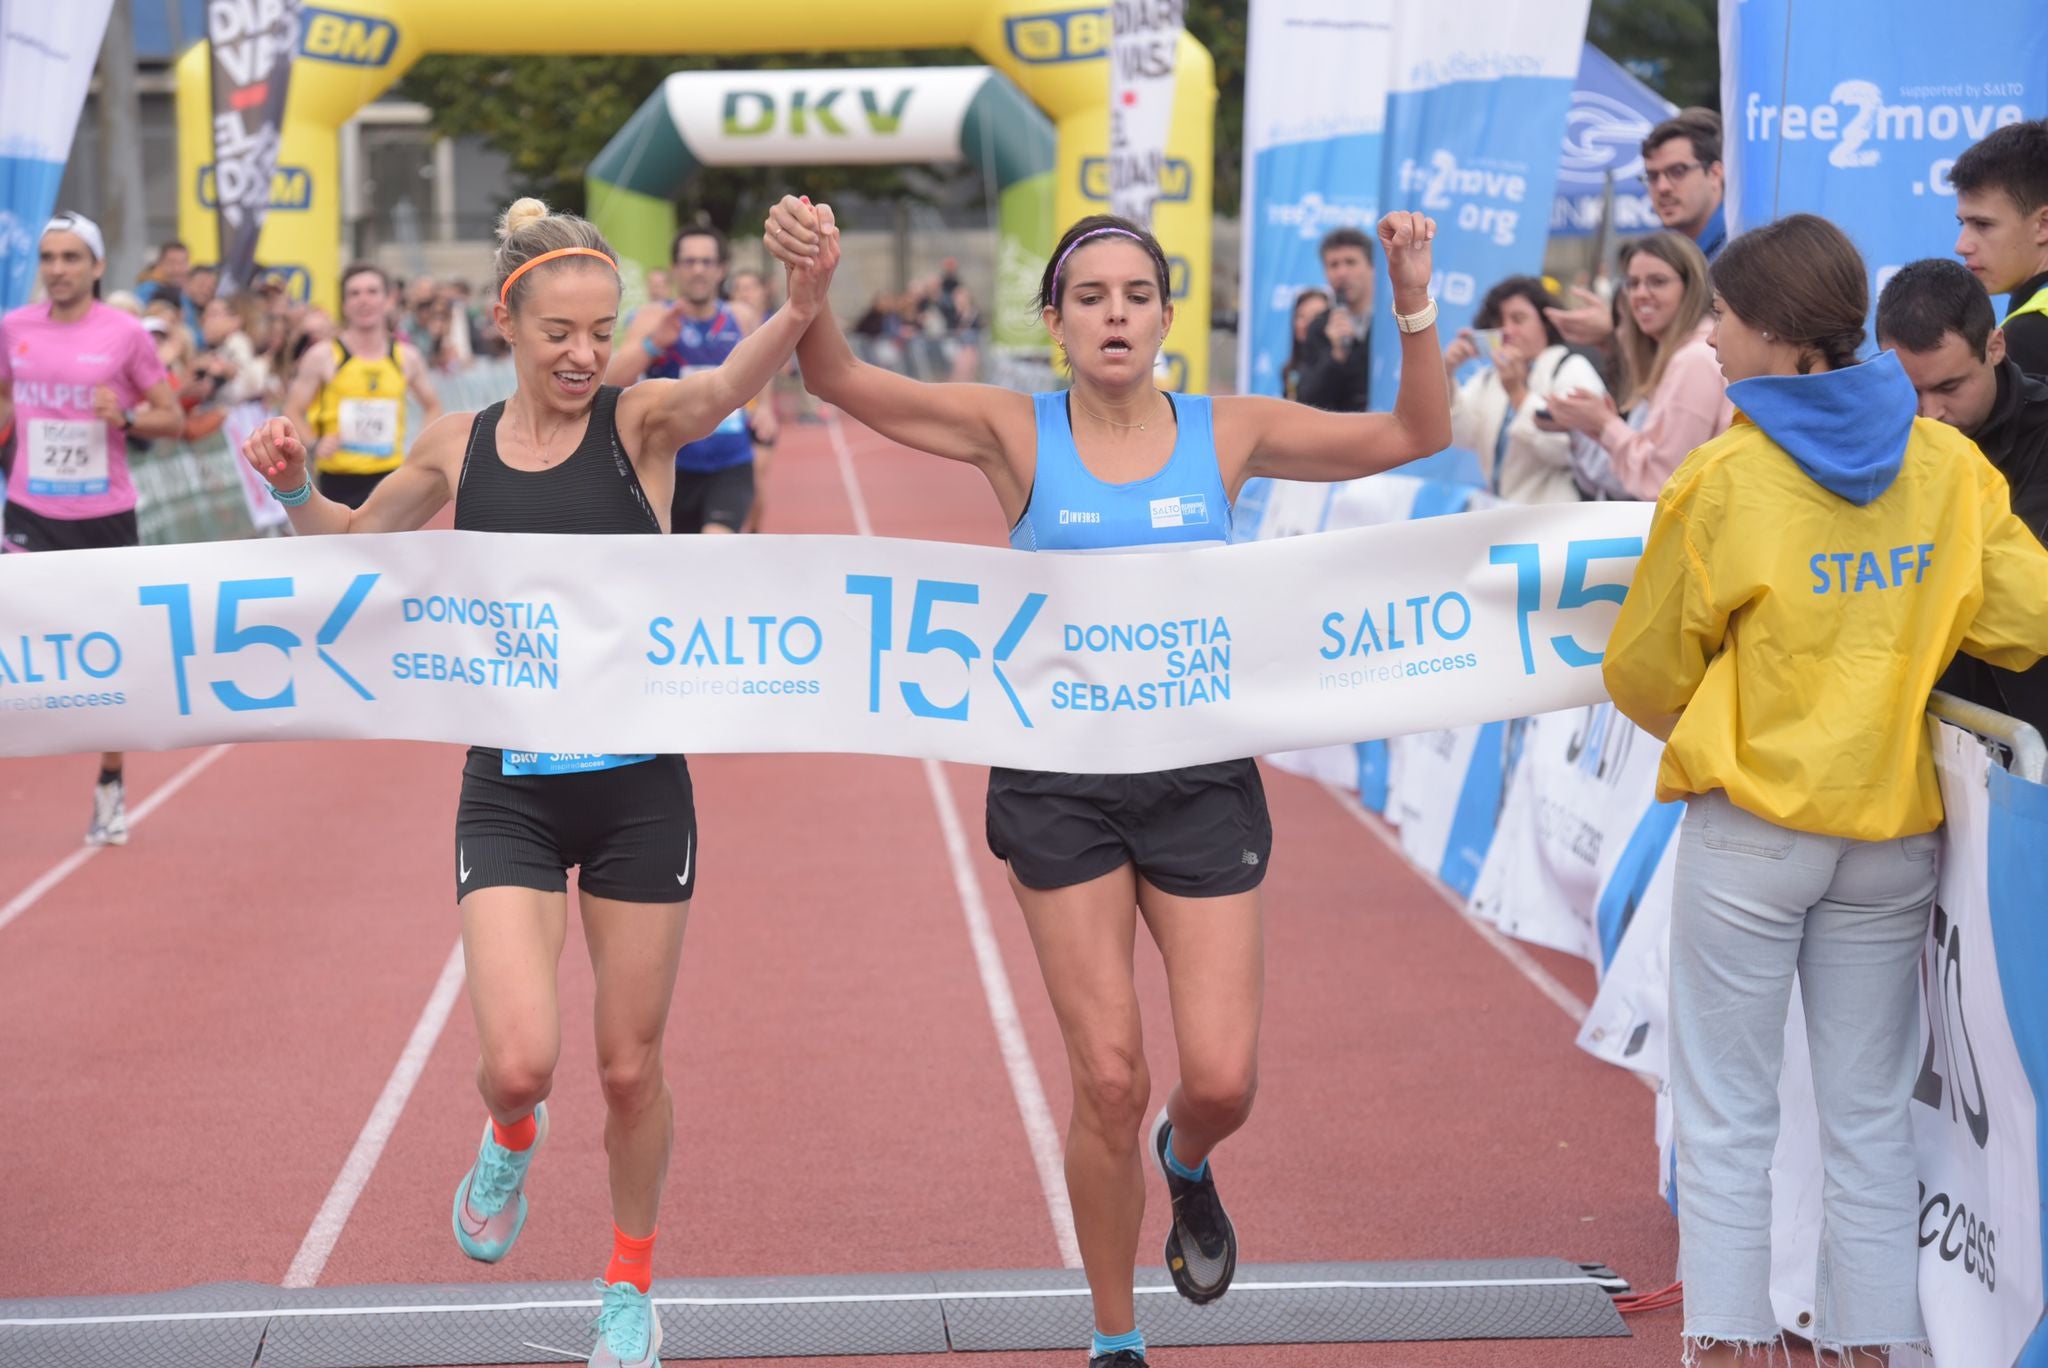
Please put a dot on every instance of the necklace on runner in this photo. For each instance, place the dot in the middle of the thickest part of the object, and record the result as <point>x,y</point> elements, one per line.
<point>1100,419</point>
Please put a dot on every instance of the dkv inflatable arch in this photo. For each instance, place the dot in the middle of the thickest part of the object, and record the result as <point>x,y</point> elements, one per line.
<point>805,118</point>
<point>1056,51</point>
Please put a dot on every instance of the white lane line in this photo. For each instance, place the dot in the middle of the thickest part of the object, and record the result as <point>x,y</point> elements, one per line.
<point>848,479</point>
<point>1047,1153</point>
<point>355,1173</point>
<point>829,1299</point>
<point>1546,983</point>
<point>72,863</point>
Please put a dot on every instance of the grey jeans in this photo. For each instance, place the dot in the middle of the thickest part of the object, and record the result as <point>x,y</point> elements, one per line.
<point>1752,903</point>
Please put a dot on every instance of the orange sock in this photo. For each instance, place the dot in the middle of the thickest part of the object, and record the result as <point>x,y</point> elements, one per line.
<point>632,1260</point>
<point>517,1136</point>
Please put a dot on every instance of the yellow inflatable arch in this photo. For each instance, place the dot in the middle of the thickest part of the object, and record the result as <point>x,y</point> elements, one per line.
<point>1055,50</point>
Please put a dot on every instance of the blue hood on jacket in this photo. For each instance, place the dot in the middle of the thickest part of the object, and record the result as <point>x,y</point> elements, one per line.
<point>1846,429</point>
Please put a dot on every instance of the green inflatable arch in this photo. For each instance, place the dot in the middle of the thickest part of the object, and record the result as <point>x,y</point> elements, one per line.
<point>796,118</point>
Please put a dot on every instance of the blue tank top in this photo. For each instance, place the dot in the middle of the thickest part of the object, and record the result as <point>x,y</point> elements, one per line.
<point>1184,505</point>
<point>701,346</point>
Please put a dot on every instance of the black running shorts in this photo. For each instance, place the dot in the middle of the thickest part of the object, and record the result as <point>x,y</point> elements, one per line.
<point>633,829</point>
<point>30,531</point>
<point>1199,832</point>
<point>704,498</point>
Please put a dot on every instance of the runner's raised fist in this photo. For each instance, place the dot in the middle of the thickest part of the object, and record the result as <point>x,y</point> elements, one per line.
<point>277,454</point>
<point>1405,239</point>
<point>791,234</point>
<point>810,278</point>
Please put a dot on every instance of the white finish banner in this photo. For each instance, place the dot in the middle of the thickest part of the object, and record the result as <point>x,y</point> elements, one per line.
<point>633,644</point>
<point>1144,38</point>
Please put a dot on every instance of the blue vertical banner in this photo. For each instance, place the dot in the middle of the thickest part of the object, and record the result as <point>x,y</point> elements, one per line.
<point>1311,158</point>
<point>1856,109</point>
<point>1610,115</point>
<point>1475,117</point>
<point>47,55</point>
<point>2017,885</point>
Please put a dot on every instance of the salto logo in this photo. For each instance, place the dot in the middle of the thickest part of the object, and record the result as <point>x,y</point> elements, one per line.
<point>758,113</point>
<point>1949,1048</point>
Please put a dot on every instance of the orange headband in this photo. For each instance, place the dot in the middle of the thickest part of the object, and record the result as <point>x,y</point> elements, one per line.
<point>513,279</point>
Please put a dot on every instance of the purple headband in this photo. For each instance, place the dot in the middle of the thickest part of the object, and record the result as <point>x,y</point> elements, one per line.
<point>1061,264</point>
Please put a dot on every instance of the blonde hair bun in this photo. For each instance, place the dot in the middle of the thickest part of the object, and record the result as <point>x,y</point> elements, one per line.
<point>522,213</point>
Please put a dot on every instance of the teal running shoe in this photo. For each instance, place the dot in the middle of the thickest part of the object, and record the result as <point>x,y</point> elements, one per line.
<point>490,1203</point>
<point>628,1331</point>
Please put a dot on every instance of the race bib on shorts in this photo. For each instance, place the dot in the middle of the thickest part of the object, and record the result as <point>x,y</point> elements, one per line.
<point>67,459</point>
<point>734,422</point>
<point>369,426</point>
<point>555,762</point>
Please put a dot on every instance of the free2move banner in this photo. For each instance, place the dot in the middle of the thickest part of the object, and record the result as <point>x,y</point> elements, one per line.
<point>1856,109</point>
<point>574,645</point>
<point>1475,117</point>
<point>1311,158</point>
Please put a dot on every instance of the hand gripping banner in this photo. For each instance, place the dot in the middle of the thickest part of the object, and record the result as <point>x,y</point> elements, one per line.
<point>573,645</point>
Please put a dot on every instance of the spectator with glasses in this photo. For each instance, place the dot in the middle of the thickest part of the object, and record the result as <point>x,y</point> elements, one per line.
<point>1682,166</point>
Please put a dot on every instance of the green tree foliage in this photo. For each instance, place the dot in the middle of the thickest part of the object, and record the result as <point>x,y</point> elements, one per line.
<point>1674,44</point>
<point>1220,27</point>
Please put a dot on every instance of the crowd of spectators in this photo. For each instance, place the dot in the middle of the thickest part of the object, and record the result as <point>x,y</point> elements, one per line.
<point>226,350</point>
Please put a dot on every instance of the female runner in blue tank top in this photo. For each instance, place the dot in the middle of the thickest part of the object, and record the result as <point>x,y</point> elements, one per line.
<point>565,454</point>
<point>1114,463</point>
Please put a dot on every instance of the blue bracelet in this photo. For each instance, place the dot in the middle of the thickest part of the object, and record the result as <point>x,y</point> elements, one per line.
<point>296,497</point>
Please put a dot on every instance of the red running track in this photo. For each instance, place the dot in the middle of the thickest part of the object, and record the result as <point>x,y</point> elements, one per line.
<point>195,1028</point>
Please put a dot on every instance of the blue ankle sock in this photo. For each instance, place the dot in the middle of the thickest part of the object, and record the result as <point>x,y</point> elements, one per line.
<point>1110,1344</point>
<point>1177,1168</point>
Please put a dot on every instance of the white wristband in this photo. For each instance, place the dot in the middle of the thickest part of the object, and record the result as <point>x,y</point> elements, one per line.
<point>1414,323</point>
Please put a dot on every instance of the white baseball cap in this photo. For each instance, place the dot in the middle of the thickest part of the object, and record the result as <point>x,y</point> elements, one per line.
<point>83,228</point>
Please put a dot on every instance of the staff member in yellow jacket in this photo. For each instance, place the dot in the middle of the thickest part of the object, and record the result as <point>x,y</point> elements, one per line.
<point>348,395</point>
<point>1808,575</point>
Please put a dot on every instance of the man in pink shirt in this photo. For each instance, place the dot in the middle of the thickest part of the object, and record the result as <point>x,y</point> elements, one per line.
<point>77,379</point>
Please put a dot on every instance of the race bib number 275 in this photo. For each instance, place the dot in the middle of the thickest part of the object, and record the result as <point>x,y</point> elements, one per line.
<point>67,459</point>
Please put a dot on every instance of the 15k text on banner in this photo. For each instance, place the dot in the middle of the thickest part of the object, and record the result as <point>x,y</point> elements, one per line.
<point>571,645</point>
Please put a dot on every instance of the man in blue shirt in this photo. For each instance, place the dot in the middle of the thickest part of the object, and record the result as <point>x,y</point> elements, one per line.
<point>714,475</point>
<point>1682,166</point>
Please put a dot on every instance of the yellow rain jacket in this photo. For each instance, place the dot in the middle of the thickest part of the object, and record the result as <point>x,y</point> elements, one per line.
<point>1808,576</point>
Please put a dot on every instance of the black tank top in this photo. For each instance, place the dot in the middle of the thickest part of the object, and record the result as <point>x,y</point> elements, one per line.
<point>595,491</point>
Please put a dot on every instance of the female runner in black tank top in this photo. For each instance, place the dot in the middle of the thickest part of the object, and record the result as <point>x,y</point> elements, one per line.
<point>565,454</point>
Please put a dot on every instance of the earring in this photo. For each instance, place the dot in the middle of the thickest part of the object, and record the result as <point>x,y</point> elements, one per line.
<point>1767,337</point>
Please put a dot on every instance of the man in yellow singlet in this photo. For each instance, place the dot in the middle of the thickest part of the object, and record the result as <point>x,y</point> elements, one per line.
<point>348,395</point>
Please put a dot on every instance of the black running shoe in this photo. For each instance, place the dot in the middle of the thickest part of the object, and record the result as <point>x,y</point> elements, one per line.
<point>1122,1358</point>
<point>1201,1244</point>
